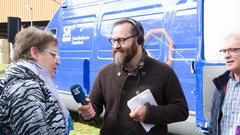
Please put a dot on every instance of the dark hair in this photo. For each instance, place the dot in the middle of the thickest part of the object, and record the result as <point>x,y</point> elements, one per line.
<point>31,37</point>
<point>137,28</point>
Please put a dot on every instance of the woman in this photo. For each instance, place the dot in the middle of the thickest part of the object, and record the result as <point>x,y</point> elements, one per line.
<point>29,102</point>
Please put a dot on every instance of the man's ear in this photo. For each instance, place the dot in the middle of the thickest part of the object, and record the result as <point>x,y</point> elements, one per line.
<point>34,53</point>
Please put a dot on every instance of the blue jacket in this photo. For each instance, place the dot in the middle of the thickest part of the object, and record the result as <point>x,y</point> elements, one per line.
<point>217,100</point>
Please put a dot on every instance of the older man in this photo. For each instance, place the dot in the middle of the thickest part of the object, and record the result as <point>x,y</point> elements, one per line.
<point>225,110</point>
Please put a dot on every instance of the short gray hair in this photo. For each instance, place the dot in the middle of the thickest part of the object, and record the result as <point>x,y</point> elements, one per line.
<point>233,35</point>
<point>31,37</point>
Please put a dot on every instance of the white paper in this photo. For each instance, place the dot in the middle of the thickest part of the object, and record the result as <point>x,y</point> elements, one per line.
<point>141,99</point>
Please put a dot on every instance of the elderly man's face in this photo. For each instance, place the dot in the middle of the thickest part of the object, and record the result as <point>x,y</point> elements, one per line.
<point>231,51</point>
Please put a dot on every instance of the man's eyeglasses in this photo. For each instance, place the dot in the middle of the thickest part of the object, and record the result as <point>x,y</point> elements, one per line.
<point>53,53</point>
<point>121,41</point>
<point>230,50</point>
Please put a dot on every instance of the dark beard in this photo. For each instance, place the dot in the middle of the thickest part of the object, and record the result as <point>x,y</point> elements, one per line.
<point>122,59</point>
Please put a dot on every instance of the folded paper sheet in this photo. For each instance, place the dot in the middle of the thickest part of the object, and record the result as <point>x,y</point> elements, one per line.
<point>142,99</point>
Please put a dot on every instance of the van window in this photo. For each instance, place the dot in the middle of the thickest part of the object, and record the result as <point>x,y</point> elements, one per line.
<point>218,22</point>
<point>104,46</point>
<point>53,31</point>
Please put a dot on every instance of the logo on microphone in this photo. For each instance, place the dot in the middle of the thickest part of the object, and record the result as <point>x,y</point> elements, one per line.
<point>76,90</point>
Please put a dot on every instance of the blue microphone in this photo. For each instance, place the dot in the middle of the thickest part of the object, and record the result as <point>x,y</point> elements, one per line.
<point>78,94</point>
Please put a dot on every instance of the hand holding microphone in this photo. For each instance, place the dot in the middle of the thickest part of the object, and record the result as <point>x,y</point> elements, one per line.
<point>86,109</point>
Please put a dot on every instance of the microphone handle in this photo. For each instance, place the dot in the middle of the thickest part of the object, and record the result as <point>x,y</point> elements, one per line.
<point>84,102</point>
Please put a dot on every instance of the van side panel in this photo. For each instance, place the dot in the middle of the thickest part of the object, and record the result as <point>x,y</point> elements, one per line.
<point>180,26</point>
<point>76,39</point>
<point>83,31</point>
<point>84,27</point>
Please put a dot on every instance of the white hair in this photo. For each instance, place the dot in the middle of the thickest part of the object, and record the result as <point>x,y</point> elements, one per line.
<point>233,35</point>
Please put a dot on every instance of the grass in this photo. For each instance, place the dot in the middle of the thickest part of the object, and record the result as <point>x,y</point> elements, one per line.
<point>2,68</point>
<point>85,128</point>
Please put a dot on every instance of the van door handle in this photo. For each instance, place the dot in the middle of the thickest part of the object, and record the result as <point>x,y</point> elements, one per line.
<point>192,67</point>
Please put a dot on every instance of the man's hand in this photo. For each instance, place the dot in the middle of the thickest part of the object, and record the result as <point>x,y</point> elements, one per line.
<point>138,113</point>
<point>87,111</point>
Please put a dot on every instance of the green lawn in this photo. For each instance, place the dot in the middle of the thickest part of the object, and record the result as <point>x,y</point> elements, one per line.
<point>85,128</point>
<point>2,68</point>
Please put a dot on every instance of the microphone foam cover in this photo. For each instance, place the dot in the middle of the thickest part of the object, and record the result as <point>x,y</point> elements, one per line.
<point>78,93</point>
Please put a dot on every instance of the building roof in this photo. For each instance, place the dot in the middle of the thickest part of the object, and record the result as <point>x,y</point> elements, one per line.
<point>37,11</point>
<point>40,9</point>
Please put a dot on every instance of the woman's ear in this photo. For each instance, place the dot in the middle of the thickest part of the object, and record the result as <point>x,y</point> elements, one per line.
<point>34,53</point>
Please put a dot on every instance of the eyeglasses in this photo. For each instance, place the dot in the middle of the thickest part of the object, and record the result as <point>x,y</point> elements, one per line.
<point>230,50</point>
<point>53,53</point>
<point>121,41</point>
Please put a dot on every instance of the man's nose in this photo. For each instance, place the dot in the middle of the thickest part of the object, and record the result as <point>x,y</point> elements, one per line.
<point>227,54</point>
<point>116,44</point>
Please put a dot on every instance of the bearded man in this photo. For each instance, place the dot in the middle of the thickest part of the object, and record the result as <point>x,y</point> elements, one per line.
<point>131,73</point>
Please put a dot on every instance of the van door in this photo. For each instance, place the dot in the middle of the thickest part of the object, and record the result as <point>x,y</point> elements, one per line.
<point>76,39</point>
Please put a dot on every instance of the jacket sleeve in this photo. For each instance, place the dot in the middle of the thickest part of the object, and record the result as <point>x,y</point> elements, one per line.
<point>96,96</point>
<point>175,107</point>
<point>27,113</point>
